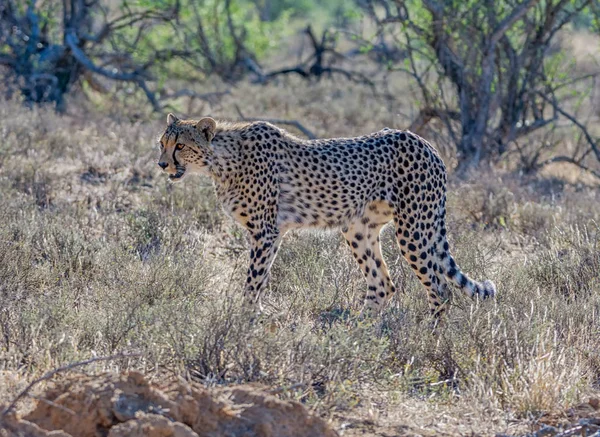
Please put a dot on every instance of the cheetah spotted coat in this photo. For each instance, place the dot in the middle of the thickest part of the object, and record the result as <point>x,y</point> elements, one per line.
<point>270,182</point>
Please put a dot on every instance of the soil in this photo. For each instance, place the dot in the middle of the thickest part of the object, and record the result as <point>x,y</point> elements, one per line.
<point>132,405</point>
<point>129,405</point>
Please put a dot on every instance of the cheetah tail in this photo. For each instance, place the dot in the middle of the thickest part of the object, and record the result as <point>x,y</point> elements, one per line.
<point>471,288</point>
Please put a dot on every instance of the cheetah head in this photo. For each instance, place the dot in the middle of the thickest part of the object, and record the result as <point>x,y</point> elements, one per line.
<point>185,146</point>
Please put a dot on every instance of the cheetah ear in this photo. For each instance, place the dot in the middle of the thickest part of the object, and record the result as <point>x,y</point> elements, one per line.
<point>206,126</point>
<point>171,119</point>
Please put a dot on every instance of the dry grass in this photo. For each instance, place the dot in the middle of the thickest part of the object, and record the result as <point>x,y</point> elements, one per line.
<point>100,254</point>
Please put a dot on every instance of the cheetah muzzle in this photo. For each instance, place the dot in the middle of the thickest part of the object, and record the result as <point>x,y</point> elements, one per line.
<point>177,177</point>
<point>270,182</point>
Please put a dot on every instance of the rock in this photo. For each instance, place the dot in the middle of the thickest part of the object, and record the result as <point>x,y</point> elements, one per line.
<point>129,405</point>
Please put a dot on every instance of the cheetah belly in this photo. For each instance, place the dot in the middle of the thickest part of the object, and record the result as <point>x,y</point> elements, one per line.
<point>306,209</point>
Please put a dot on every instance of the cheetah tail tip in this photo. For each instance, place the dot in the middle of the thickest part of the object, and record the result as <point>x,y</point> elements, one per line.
<point>489,289</point>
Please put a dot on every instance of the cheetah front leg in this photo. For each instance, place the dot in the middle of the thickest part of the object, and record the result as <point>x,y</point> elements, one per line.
<point>364,242</point>
<point>263,249</point>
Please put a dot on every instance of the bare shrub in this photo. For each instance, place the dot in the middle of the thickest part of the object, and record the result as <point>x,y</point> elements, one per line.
<point>492,72</point>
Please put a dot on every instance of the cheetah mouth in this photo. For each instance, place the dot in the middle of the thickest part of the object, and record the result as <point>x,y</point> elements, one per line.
<point>177,176</point>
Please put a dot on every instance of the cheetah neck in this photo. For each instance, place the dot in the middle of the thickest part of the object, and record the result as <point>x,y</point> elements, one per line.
<point>224,165</point>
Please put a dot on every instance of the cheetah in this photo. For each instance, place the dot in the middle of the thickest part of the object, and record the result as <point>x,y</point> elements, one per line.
<point>271,182</point>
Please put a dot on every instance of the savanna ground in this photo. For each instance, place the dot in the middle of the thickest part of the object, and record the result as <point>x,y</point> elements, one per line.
<point>101,255</point>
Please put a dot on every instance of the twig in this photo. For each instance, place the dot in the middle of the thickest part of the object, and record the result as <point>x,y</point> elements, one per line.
<point>202,96</point>
<point>287,388</point>
<point>569,160</point>
<point>508,22</point>
<point>149,95</point>
<point>54,404</point>
<point>295,123</point>
<point>576,122</point>
<point>317,65</point>
<point>64,368</point>
<point>426,114</point>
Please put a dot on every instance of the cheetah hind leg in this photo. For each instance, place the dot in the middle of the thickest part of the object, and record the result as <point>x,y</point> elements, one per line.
<point>363,239</point>
<point>421,257</point>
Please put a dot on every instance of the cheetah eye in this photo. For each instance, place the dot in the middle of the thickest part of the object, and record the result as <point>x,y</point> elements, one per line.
<point>179,146</point>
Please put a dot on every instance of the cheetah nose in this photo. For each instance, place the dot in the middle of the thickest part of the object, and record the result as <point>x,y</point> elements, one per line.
<point>163,165</point>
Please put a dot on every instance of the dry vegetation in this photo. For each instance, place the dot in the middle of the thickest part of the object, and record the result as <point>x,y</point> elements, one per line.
<point>99,255</point>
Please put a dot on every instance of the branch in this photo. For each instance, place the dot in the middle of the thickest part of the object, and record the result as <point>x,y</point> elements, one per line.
<point>78,54</point>
<point>426,114</point>
<point>34,32</point>
<point>575,80</point>
<point>434,7</point>
<point>202,96</point>
<point>297,70</point>
<point>506,24</point>
<point>350,75</point>
<point>401,17</point>
<point>535,125</point>
<point>316,65</point>
<point>295,123</point>
<point>131,18</point>
<point>239,45</point>
<point>7,60</point>
<point>573,120</point>
<point>64,368</point>
<point>98,37</point>
<point>569,160</point>
<point>149,95</point>
<point>415,74</point>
